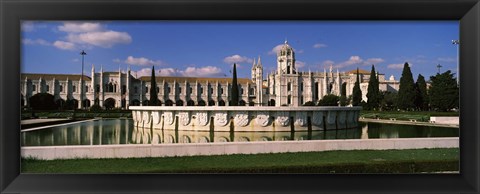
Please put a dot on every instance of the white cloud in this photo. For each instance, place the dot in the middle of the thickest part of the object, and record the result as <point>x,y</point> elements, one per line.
<point>275,49</point>
<point>139,61</point>
<point>353,60</point>
<point>64,45</point>
<point>35,42</point>
<point>374,61</point>
<point>31,26</point>
<point>101,39</point>
<point>237,59</point>
<point>207,71</point>
<point>299,64</point>
<point>447,59</point>
<point>397,66</point>
<point>80,27</point>
<point>319,45</point>
<point>27,26</point>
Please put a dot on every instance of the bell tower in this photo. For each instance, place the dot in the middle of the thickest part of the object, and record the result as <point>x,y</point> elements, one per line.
<point>286,60</point>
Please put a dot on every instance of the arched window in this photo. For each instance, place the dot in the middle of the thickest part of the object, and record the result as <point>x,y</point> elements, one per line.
<point>221,103</point>
<point>242,103</point>
<point>124,89</point>
<point>168,103</point>
<point>61,88</point>
<point>211,103</point>
<point>179,103</point>
<point>289,99</point>
<point>97,88</point>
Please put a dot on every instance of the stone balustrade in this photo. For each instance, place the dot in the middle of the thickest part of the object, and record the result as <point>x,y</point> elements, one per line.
<point>245,118</point>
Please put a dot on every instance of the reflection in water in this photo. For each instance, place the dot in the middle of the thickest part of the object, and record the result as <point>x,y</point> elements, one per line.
<point>122,131</point>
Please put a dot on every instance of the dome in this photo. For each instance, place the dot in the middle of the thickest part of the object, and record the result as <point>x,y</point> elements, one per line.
<point>286,49</point>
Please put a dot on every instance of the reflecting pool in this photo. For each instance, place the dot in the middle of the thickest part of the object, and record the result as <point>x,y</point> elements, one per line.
<point>123,131</point>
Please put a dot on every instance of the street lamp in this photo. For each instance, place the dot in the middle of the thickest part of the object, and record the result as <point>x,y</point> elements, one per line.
<point>81,80</point>
<point>457,42</point>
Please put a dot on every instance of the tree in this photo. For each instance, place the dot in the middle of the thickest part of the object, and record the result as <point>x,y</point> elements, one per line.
<point>373,98</point>
<point>444,92</point>
<point>234,101</point>
<point>357,92</point>
<point>421,97</point>
<point>309,103</point>
<point>153,89</point>
<point>388,100</point>
<point>406,92</point>
<point>43,101</point>
<point>343,95</point>
<point>329,100</point>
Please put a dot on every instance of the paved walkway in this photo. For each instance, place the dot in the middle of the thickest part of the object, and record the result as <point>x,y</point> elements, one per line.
<point>406,122</point>
<point>37,121</point>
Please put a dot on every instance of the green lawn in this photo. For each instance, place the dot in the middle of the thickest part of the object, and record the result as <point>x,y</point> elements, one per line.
<point>418,115</point>
<point>363,161</point>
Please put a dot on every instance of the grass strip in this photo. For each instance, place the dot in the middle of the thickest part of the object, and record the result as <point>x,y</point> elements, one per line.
<point>360,161</point>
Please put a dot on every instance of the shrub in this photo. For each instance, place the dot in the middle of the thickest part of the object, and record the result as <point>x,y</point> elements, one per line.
<point>329,100</point>
<point>96,108</point>
<point>309,103</point>
<point>43,101</point>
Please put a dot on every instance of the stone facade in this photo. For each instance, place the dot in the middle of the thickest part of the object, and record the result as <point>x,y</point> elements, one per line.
<point>284,87</point>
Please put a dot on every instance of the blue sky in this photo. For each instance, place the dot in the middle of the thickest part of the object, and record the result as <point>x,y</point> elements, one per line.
<point>209,48</point>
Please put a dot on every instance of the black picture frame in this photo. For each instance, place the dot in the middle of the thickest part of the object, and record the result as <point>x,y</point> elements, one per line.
<point>13,11</point>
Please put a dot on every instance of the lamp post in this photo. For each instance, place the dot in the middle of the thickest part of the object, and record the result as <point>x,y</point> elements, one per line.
<point>81,80</point>
<point>457,42</point>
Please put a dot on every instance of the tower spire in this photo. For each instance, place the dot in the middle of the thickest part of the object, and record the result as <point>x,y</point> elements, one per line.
<point>259,63</point>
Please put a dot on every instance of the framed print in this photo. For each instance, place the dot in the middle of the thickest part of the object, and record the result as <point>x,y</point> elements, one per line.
<point>178,96</point>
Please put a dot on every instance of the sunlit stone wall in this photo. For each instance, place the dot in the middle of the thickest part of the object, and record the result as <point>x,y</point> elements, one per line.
<point>247,119</point>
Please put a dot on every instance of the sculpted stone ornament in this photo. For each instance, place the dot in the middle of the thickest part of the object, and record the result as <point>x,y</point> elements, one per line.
<point>156,117</point>
<point>283,119</point>
<point>221,119</point>
<point>263,119</point>
<point>317,118</point>
<point>202,118</point>
<point>241,119</point>
<point>146,117</point>
<point>168,118</point>
<point>301,119</point>
<point>331,115</point>
<point>184,118</point>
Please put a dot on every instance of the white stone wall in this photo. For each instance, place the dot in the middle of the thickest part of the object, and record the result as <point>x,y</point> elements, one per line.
<point>196,149</point>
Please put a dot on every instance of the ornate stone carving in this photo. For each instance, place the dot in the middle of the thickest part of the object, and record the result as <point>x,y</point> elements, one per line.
<point>283,119</point>
<point>146,117</point>
<point>134,115</point>
<point>263,118</point>
<point>331,116</point>
<point>341,117</point>
<point>184,118</point>
<point>221,118</point>
<point>241,119</point>
<point>156,117</point>
<point>317,118</point>
<point>202,139</point>
<point>202,118</point>
<point>301,119</point>
<point>168,118</point>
